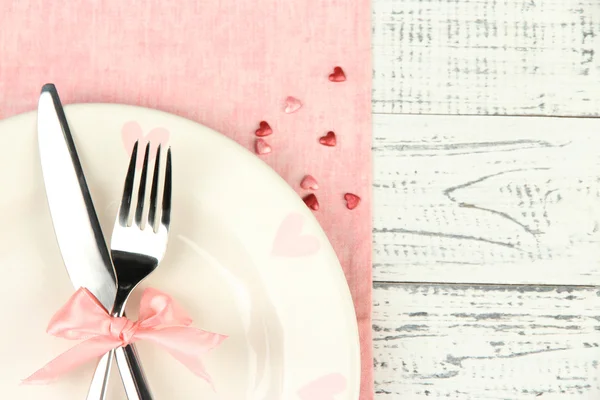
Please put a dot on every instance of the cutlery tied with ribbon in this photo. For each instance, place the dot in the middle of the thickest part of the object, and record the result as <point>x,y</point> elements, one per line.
<point>161,321</point>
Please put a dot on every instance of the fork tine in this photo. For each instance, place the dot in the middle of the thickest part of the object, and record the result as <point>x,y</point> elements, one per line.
<point>128,188</point>
<point>166,201</point>
<point>142,190</point>
<point>154,191</point>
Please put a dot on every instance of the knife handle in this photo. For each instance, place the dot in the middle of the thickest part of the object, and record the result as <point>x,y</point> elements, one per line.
<point>132,375</point>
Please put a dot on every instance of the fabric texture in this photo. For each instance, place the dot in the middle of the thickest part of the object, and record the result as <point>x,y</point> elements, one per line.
<point>228,65</point>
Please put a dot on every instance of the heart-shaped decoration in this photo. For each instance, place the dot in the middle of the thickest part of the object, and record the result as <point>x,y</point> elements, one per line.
<point>264,129</point>
<point>352,201</point>
<point>338,75</point>
<point>324,388</point>
<point>292,105</point>
<point>309,183</point>
<point>262,147</point>
<point>312,202</point>
<point>132,132</point>
<point>329,139</point>
<point>289,240</point>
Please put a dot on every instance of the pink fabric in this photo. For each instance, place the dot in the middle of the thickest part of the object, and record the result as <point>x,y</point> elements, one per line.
<point>161,321</point>
<point>229,65</point>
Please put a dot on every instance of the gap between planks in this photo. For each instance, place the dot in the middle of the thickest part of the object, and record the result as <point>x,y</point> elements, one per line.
<point>375,114</point>
<point>472,284</point>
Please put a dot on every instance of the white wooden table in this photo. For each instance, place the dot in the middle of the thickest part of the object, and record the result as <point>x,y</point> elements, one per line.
<point>487,199</point>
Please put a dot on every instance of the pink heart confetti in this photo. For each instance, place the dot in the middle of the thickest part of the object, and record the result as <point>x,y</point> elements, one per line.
<point>352,201</point>
<point>132,132</point>
<point>338,75</point>
<point>328,140</point>
<point>289,240</point>
<point>262,147</point>
<point>312,202</point>
<point>292,105</point>
<point>264,129</point>
<point>309,183</point>
<point>324,388</point>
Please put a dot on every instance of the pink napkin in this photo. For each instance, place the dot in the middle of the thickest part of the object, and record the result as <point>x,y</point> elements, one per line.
<point>228,65</point>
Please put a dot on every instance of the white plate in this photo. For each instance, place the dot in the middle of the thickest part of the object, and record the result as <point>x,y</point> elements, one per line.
<point>246,258</point>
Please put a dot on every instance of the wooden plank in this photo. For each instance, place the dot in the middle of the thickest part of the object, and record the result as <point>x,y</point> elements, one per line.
<point>486,342</point>
<point>486,199</point>
<point>507,57</point>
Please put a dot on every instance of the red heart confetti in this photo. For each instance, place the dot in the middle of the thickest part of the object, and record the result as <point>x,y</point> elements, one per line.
<point>309,182</point>
<point>352,201</point>
<point>311,201</point>
<point>292,104</point>
<point>262,147</point>
<point>338,75</point>
<point>328,140</point>
<point>264,129</point>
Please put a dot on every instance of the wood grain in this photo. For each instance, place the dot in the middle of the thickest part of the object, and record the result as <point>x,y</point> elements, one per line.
<point>507,57</point>
<point>486,199</point>
<point>486,342</point>
<point>496,210</point>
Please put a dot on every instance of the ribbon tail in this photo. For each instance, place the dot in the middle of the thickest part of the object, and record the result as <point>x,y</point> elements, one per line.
<point>72,358</point>
<point>186,344</point>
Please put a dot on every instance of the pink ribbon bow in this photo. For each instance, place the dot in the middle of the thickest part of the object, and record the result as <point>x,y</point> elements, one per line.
<point>160,321</point>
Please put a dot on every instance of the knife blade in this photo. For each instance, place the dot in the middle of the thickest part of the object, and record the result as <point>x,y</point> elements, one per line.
<point>74,218</point>
<point>78,233</point>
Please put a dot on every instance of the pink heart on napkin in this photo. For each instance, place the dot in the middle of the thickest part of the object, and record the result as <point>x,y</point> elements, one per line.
<point>324,388</point>
<point>290,242</point>
<point>132,132</point>
<point>292,105</point>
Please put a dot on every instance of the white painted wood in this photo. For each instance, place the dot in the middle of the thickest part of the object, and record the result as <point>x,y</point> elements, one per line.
<point>510,57</point>
<point>486,342</point>
<point>486,199</point>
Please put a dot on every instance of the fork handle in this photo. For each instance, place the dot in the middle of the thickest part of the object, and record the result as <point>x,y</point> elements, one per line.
<point>132,375</point>
<point>97,390</point>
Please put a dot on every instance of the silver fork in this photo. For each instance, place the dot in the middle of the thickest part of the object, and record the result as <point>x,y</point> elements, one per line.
<point>136,250</point>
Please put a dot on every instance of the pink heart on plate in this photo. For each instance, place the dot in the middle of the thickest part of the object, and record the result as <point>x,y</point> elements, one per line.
<point>132,132</point>
<point>324,388</point>
<point>289,240</point>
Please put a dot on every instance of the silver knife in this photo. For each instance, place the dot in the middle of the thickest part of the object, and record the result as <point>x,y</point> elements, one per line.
<point>77,228</point>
